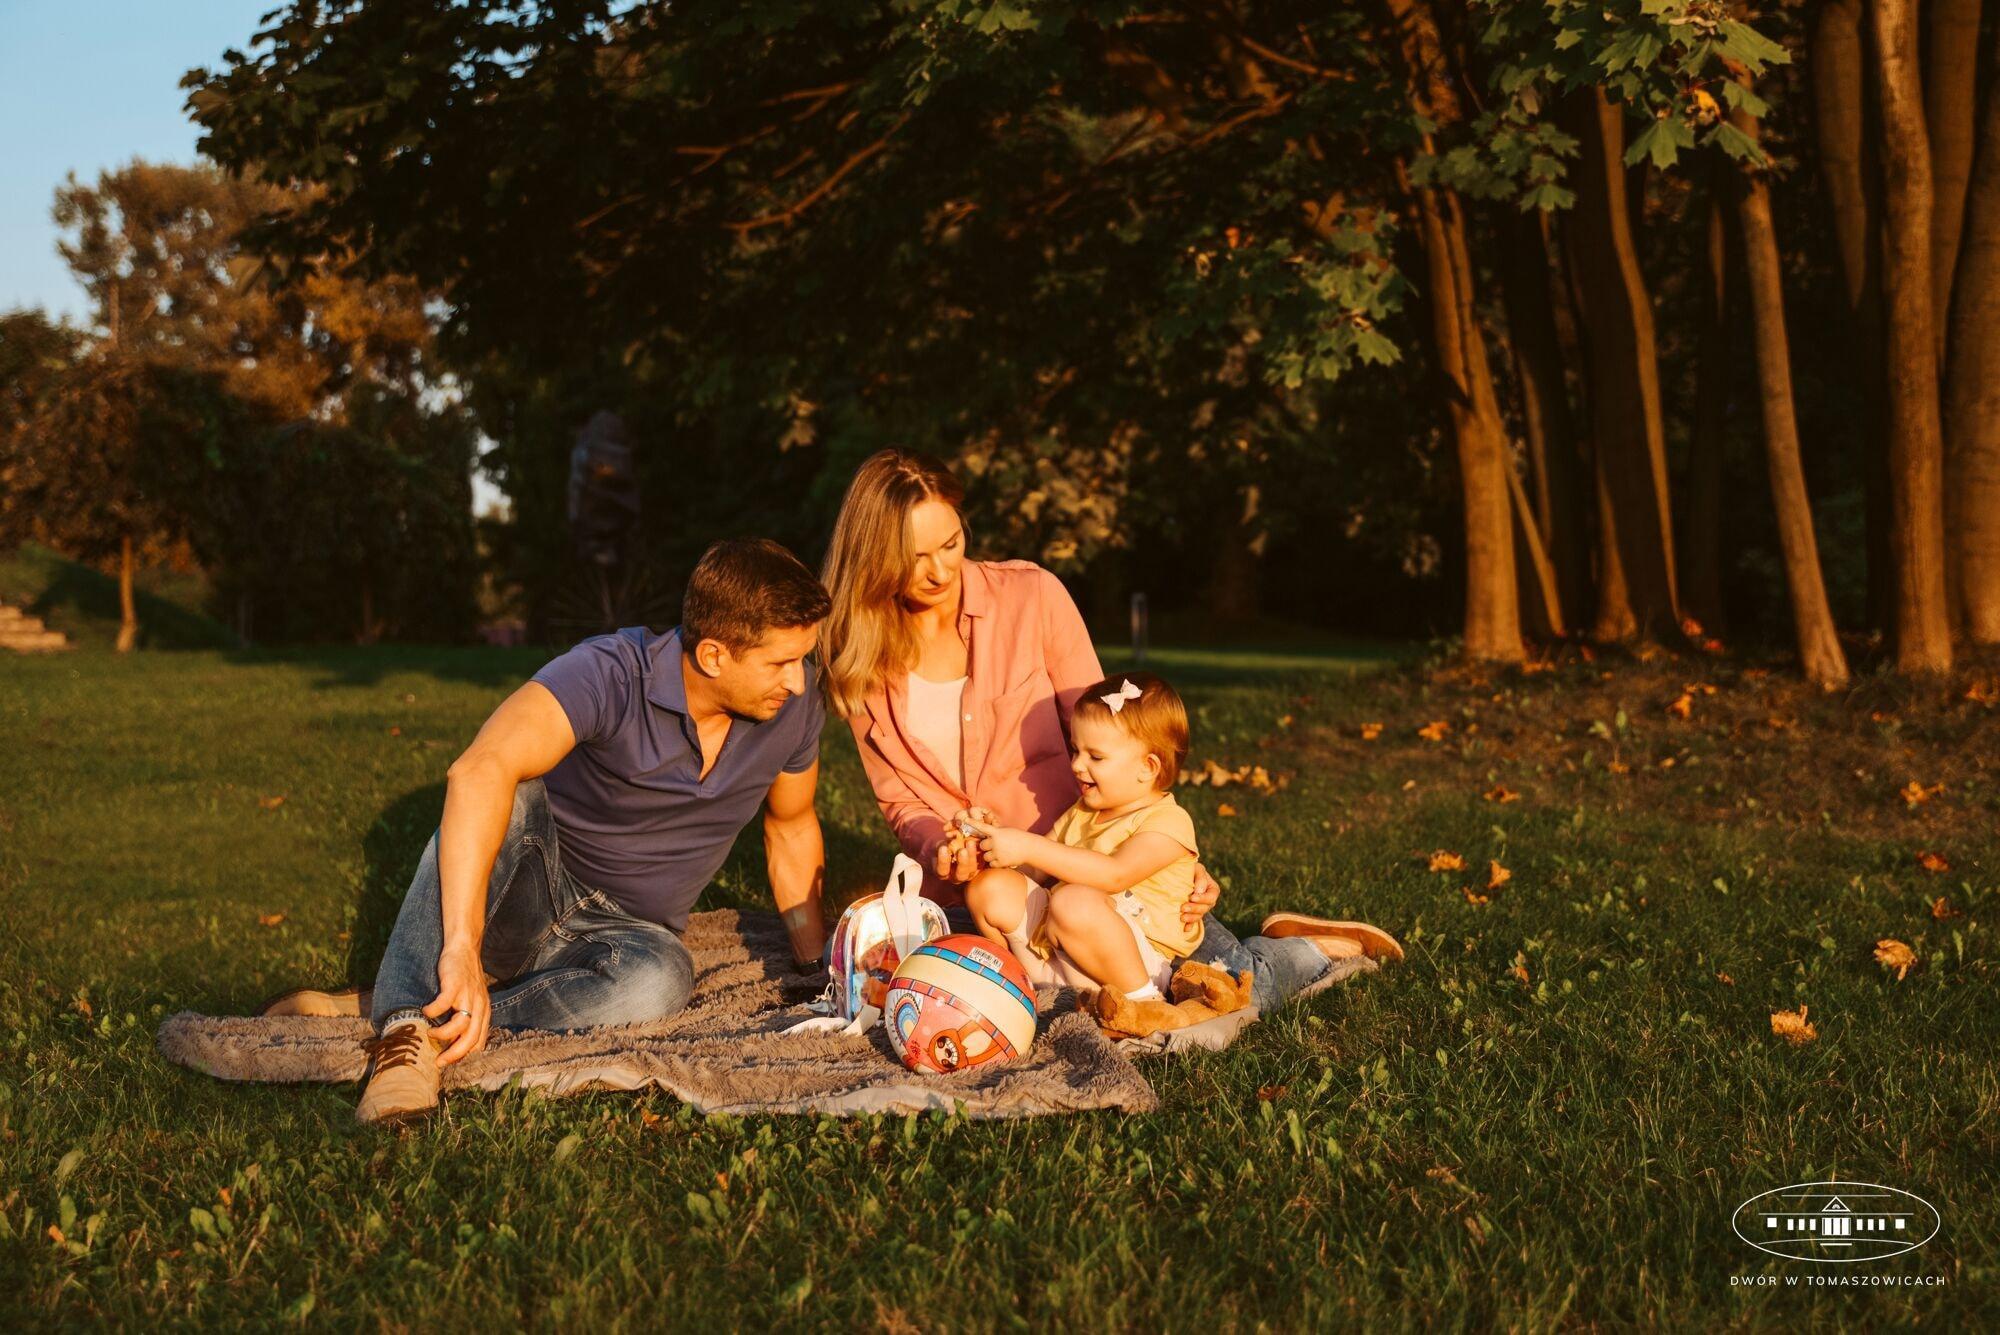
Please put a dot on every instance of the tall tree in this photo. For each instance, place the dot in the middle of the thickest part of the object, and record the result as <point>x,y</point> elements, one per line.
<point>1847,124</point>
<point>1972,390</point>
<point>1916,450</point>
<point>1951,112</point>
<point>1492,607</point>
<point>1628,427</point>
<point>1812,618</point>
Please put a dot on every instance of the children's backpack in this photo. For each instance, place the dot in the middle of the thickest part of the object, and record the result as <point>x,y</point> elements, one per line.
<point>874,935</point>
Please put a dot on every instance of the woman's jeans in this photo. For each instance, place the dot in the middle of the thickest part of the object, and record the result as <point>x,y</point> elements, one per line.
<point>1282,966</point>
<point>565,956</point>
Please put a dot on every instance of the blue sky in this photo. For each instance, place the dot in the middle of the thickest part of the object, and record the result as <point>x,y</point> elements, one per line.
<point>86,85</point>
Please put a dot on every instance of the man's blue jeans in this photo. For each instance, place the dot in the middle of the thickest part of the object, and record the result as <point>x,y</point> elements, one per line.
<point>564,955</point>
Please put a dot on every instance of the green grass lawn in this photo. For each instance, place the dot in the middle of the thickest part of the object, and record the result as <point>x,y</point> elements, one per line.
<point>1544,1118</point>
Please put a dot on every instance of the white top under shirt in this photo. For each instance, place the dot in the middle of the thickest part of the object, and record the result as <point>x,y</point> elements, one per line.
<point>934,721</point>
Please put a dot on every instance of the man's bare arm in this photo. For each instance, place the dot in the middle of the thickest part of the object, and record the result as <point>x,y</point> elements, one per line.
<point>527,736</point>
<point>795,859</point>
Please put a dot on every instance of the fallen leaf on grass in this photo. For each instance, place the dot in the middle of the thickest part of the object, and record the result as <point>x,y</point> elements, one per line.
<point>1224,809</point>
<point>1445,860</point>
<point>1474,897</point>
<point>1285,720</point>
<point>1914,794</point>
<point>1933,862</point>
<point>270,919</point>
<point>1893,954</point>
<point>1370,731</point>
<point>1497,876</point>
<point>1942,910</point>
<point>1793,1027</point>
<point>1619,767</point>
<point>1268,1093</point>
<point>1682,707</point>
<point>1520,971</point>
<point>1725,980</point>
<point>1502,794</point>
<point>1982,692</point>
<point>1434,731</point>
<point>271,803</point>
<point>395,732</point>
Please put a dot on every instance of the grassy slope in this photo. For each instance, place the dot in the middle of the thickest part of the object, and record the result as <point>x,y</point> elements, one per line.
<point>82,603</point>
<point>1441,1143</point>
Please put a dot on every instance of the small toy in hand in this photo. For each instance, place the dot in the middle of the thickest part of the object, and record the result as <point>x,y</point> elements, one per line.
<point>959,1002</point>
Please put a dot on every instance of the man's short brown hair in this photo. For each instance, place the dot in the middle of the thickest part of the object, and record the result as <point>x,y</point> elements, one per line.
<point>744,588</point>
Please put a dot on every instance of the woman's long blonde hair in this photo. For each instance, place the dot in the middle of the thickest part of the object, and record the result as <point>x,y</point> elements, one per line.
<point>867,636</point>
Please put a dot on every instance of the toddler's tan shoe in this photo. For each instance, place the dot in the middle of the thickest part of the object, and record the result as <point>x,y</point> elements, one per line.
<point>402,1078</point>
<point>1375,943</point>
<point>347,1002</point>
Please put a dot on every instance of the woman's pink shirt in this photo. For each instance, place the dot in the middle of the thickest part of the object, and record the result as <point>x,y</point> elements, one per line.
<point>1028,659</point>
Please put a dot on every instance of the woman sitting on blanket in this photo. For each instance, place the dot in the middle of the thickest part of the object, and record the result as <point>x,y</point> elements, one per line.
<point>959,678</point>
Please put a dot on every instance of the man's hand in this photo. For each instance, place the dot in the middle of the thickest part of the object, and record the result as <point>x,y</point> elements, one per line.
<point>1206,893</point>
<point>461,990</point>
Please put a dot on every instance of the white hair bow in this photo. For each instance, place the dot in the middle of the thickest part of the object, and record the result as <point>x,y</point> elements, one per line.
<point>1115,700</point>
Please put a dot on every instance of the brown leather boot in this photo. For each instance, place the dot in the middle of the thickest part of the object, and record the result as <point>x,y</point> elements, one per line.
<point>1375,943</point>
<point>402,1078</point>
<point>346,1002</point>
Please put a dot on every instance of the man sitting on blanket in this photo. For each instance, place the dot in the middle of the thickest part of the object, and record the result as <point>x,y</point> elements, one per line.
<point>585,818</point>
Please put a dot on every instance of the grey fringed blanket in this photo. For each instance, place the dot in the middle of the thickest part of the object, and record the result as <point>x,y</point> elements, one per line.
<point>726,1052</point>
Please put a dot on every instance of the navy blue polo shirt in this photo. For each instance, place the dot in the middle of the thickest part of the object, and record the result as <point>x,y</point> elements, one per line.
<point>633,815</point>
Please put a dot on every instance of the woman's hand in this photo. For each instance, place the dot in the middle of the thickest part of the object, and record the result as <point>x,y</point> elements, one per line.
<point>1206,893</point>
<point>957,858</point>
<point>1000,846</point>
<point>462,993</point>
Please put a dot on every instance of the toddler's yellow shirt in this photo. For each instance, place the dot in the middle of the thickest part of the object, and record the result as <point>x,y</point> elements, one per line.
<point>1161,895</point>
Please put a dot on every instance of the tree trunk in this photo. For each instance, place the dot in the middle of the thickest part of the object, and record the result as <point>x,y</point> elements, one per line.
<point>1553,459</point>
<point>1492,604</point>
<point>128,607</point>
<point>1846,121</point>
<point>1544,598</point>
<point>1916,447</point>
<point>1624,370</point>
<point>1951,108</point>
<point>1972,391</point>
<point>1812,619</point>
<point>1232,592</point>
<point>1701,539</point>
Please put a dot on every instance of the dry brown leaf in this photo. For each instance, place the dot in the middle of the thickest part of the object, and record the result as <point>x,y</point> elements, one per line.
<point>1520,971</point>
<point>1982,692</point>
<point>1878,716</point>
<point>1793,1026</point>
<point>1445,860</point>
<point>1942,910</point>
<point>1914,794</point>
<point>1893,954</point>
<point>1497,876</point>
<point>1502,793</point>
<point>1434,731</point>
<point>395,732</point>
<point>1224,809</point>
<point>1619,767</point>
<point>1285,721</point>
<point>1725,980</point>
<point>1474,897</point>
<point>1682,707</point>
<point>271,803</point>
<point>1269,1093</point>
<point>1933,862</point>
<point>270,919</point>
<point>1370,731</point>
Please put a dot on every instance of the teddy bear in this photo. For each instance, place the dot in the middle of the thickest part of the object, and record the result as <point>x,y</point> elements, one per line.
<point>1199,991</point>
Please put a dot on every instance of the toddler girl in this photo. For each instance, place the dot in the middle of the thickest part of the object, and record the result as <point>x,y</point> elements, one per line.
<point>1104,908</point>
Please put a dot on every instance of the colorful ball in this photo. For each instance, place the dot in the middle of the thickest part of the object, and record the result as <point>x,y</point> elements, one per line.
<point>958,1002</point>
